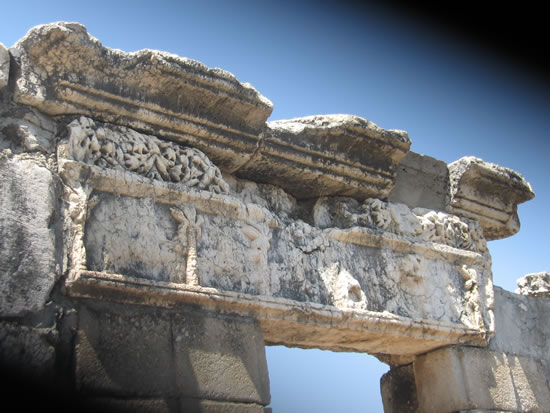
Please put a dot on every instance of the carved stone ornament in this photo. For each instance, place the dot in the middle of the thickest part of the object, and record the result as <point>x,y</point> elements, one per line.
<point>422,224</point>
<point>118,147</point>
<point>489,194</point>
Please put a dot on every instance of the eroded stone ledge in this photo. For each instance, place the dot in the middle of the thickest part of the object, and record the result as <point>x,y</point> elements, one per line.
<point>4,66</point>
<point>328,155</point>
<point>488,193</point>
<point>64,70</point>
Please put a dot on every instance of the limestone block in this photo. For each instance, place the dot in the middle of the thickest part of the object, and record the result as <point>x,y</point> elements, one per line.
<point>27,242</point>
<point>466,378</point>
<point>220,358</point>
<point>521,325</point>
<point>398,390</point>
<point>212,406</point>
<point>328,155</point>
<point>25,128</point>
<point>488,193</point>
<point>25,353</point>
<point>421,181</point>
<point>4,66</point>
<point>129,405</point>
<point>64,70</point>
<point>536,285</point>
<point>124,352</point>
<point>140,352</point>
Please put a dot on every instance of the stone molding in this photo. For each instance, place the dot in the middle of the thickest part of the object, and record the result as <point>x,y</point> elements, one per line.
<point>488,193</point>
<point>65,71</point>
<point>328,155</point>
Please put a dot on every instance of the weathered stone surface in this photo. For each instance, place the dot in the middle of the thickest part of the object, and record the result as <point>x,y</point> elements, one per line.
<point>125,352</point>
<point>488,193</point>
<point>465,378</point>
<point>421,181</point>
<point>26,352</point>
<point>536,285</point>
<point>121,148</point>
<point>522,326</point>
<point>212,406</point>
<point>4,66</point>
<point>133,352</point>
<point>220,358</point>
<point>398,390</point>
<point>328,155</point>
<point>64,70</point>
<point>129,405</point>
<point>375,260</point>
<point>23,128</point>
<point>27,243</point>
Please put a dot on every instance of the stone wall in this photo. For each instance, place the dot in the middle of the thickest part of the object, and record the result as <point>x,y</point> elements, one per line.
<point>156,231</point>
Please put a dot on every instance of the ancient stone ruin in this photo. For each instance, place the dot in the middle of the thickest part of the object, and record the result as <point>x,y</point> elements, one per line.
<point>157,232</point>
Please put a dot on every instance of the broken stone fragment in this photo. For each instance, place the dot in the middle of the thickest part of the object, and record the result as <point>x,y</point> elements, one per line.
<point>329,155</point>
<point>488,193</point>
<point>64,70</point>
<point>4,66</point>
<point>536,284</point>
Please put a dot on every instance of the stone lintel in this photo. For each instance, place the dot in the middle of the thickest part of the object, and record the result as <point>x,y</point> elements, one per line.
<point>65,71</point>
<point>4,66</point>
<point>488,193</point>
<point>536,285</point>
<point>283,321</point>
<point>328,155</point>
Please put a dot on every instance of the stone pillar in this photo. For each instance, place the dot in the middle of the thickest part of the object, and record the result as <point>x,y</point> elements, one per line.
<point>399,390</point>
<point>137,358</point>
<point>512,374</point>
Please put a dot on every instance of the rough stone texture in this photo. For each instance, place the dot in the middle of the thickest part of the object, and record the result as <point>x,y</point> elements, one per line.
<point>454,379</point>
<point>27,242</point>
<point>522,326</point>
<point>211,406</point>
<point>180,257</point>
<point>513,374</point>
<point>328,155</point>
<point>398,390</point>
<point>374,258</point>
<point>26,352</point>
<point>25,129</point>
<point>421,181</point>
<point>135,352</point>
<point>4,66</point>
<point>64,70</point>
<point>536,285</point>
<point>488,193</point>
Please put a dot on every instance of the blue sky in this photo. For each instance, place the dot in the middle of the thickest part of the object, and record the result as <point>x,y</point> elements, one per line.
<point>454,97</point>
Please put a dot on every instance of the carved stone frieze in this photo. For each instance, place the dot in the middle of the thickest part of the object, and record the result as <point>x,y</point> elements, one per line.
<point>419,223</point>
<point>152,237</point>
<point>489,194</point>
<point>118,147</point>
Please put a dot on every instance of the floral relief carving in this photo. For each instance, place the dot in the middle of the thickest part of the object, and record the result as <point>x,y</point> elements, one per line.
<point>110,146</point>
